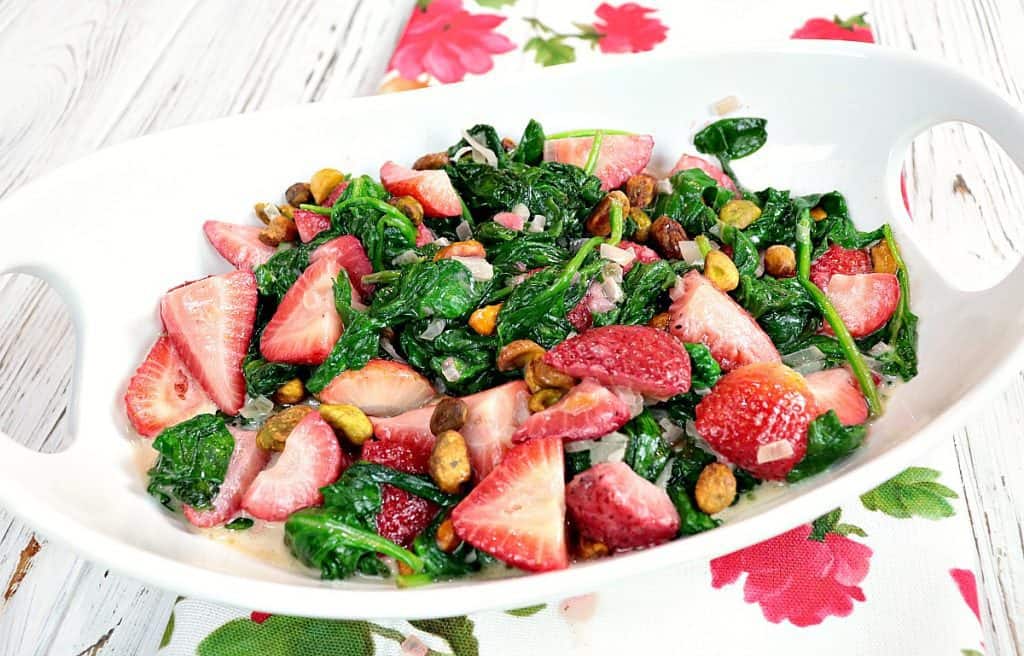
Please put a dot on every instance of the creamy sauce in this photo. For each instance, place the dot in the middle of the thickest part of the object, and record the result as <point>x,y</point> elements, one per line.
<point>263,541</point>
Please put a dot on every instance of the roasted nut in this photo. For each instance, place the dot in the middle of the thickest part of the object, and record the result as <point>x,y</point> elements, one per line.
<point>299,194</point>
<point>410,207</point>
<point>739,213</point>
<point>468,248</point>
<point>404,569</point>
<point>431,161</point>
<point>587,549</point>
<point>640,189</point>
<point>660,321</point>
<point>485,319</point>
<point>280,229</point>
<point>265,211</point>
<point>287,210</point>
<point>643,224</point>
<point>449,462</point>
<point>276,429</point>
<point>539,376</point>
<point>290,393</point>
<point>600,223</point>
<point>508,144</point>
<point>544,399</point>
<point>667,234</point>
<point>818,213</point>
<point>716,488</point>
<point>721,271</point>
<point>780,261</point>
<point>882,260</point>
<point>446,538</point>
<point>347,420</point>
<point>323,183</point>
<point>449,415</point>
<point>517,354</point>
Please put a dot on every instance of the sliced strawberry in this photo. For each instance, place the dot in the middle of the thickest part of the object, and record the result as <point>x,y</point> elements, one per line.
<point>312,458</point>
<point>622,155</point>
<point>510,220</point>
<point>493,417</point>
<point>306,324</point>
<point>838,260</point>
<point>580,317</point>
<point>162,392</point>
<point>588,411</point>
<point>432,189</point>
<point>757,416</point>
<point>424,236</point>
<point>238,244</point>
<point>611,503</point>
<point>701,313</point>
<point>865,302</point>
<point>837,389</point>
<point>210,322</point>
<point>247,461</point>
<point>349,252</point>
<point>310,224</point>
<point>714,172</point>
<point>411,456</point>
<point>640,358</point>
<point>382,388</point>
<point>411,428</point>
<point>336,193</point>
<point>641,254</point>
<point>402,516</point>
<point>517,513</point>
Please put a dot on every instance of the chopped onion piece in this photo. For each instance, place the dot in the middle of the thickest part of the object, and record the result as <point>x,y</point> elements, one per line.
<point>809,355</point>
<point>442,242</point>
<point>881,348</point>
<point>460,152</point>
<point>538,223</point>
<point>406,257</point>
<point>463,231</point>
<point>621,256</point>
<point>487,155</point>
<point>670,431</point>
<point>777,450</point>
<point>449,370</point>
<point>612,270</point>
<point>257,408</point>
<point>389,348</point>
<point>664,186</point>
<point>612,289</point>
<point>690,251</point>
<point>433,329</point>
<point>521,209</point>
<point>630,398</point>
<point>271,211</point>
<point>478,267</point>
<point>726,105</point>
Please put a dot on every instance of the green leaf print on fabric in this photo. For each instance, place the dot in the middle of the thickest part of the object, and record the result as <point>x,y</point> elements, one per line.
<point>495,4</point>
<point>914,492</point>
<point>456,631</point>
<point>526,611</point>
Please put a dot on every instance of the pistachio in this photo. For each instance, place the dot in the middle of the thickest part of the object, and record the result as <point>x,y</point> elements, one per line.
<point>276,429</point>
<point>449,462</point>
<point>323,183</point>
<point>410,207</point>
<point>587,549</point>
<point>431,161</point>
<point>290,393</point>
<point>780,261</point>
<point>484,320</point>
<point>280,229</point>
<point>544,399</point>
<point>818,214</point>
<point>539,376</point>
<point>468,248</point>
<point>449,414</point>
<point>508,144</point>
<point>643,224</point>
<point>640,189</point>
<point>348,420</point>
<point>445,537</point>
<point>716,488</point>
<point>517,354</point>
<point>882,260</point>
<point>287,210</point>
<point>600,223</point>
<point>739,213</point>
<point>660,321</point>
<point>404,569</point>
<point>265,211</point>
<point>299,194</point>
<point>667,234</point>
<point>721,271</point>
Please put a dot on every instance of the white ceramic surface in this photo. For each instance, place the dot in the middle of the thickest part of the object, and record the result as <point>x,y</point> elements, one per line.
<point>124,225</point>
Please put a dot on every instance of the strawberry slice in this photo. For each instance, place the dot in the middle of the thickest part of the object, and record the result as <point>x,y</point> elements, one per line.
<point>424,236</point>
<point>312,458</point>
<point>493,417</point>
<point>611,503</point>
<point>349,252</point>
<point>306,324</point>
<point>402,516</point>
<point>641,254</point>
<point>517,513</point>
<point>162,392</point>
<point>238,244</point>
<point>622,155</point>
<point>210,322</point>
<point>838,260</point>
<point>382,388</point>
<point>432,189</point>
<point>687,162</point>
<point>701,313</point>
<point>640,358</point>
<point>310,224</point>
<point>411,428</point>
<point>837,389</point>
<point>247,461</point>
<point>757,416</point>
<point>588,411</point>
<point>865,302</point>
<point>336,193</point>
<point>399,452</point>
<point>510,220</point>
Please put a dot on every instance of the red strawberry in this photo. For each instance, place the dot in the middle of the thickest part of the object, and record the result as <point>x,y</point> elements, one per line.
<point>588,411</point>
<point>838,260</point>
<point>402,516</point>
<point>247,461</point>
<point>757,417</point>
<point>306,324</point>
<point>408,455</point>
<point>837,389</point>
<point>641,254</point>
<point>409,428</point>
<point>517,513</point>
<point>424,236</point>
<point>510,220</point>
<point>622,155</point>
<point>432,189</point>
<point>493,417</point>
<point>349,252</point>
<point>865,302</point>
<point>687,162</point>
<point>640,358</point>
<point>703,314</point>
<point>851,29</point>
<point>310,224</point>
<point>610,503</point>
<point>210,323</point>
<point>336,193</point>
<point>580,317</point>
<point>382,388</point>
<point>162,392</point>
<point>238,244</point>
<point>312,458</point>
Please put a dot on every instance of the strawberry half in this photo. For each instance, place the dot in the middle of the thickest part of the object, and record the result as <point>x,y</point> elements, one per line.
<point>402,516</point>
<point>382,388</point>
<point>306,324</point>
<point>349,252</point>
<point>312,458</point>
<point>837,389</point>
<point>310,224</point>
<point>238,244</point>
<point>588,411</point>
<point>640,358</point>
<point>517,513</point>
<point>162,392</point>
<point>493,417</point>
<point>703,314</point>
<point>611,503</point>
<point>687,162</point>
<point>757,416</point>
<point>622,155</point>
<point>865,302</point>
<point>432,189</point>
<point>210,322</point>
<point>838,260</point>
<point>407,428</point>
<point>247,461</point>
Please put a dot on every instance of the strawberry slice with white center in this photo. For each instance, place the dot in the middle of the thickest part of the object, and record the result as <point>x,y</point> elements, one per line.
<point>312,458</point>
<point>837,389</point>
<point>410,428</point>
<point>382,388</point>
<point>310,224</point>
<point>517,513</point>
<point>306,324</point>
<point>865,302</point>
<point>622,155</point>
<point>493,417</point>
<point>162,392</point>
<point>703,314</point>
<point>432,189</point>
<point>247,461</point>
<point>839,260</point>
<point>590,410</point>
<point>238,244</point>
<point>687,162</point>
<point>210,322</point>
<point>349,252</point>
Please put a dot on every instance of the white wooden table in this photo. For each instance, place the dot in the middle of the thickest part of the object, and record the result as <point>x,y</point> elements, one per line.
<point>84,74</point>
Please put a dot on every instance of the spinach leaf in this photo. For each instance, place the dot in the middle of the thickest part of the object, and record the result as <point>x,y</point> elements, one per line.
<point>359,488</point>
<point>732,138</point>
<point>486,135</point>
<point>193,460</point>
<point>262,378</point>
<point>687,465</point>
<point>759,296</point>
<point>443,289</point>
<point>777,223</point>
<point>827,441</point>
<point>902,330</point>
<point>438,564</point>
<point>681,408</point>
<point>524,253</point>
<point>837,226</point>
<point>382,229</point>
<point>576,462</point>
<point>704,370</point>
<point>641,287</point>
<point>531,147</point>
<point>744,253</point>
<point>647,452</point>
<point>460,350</point>
<point>276,276</point>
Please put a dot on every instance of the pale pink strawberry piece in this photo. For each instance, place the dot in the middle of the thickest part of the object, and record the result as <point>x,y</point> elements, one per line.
<point>702,314</point>
<point>839,260</point>
<point>336,193</point>
<point>162,392</point>
<point>306,324</point>
<point>510,220</point>
<point>714,172</point>
<point>247,461</point>
<point>493,417</point>
<point>402,516</point>
<point>612,504</point>
<point>424,236</point>
<point>410,428</point>
<point>312,458</point>
<point>865,302</point>
<point>622,155</point>
<point>382,388</point>
<point>210,322</point>
<point>349,252</point>
<point>238,244</point>
<point>432,189</point>
<point>837,389</point>
<point>590,410</point>
<point>641,254</point>
<point>310,224</point>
